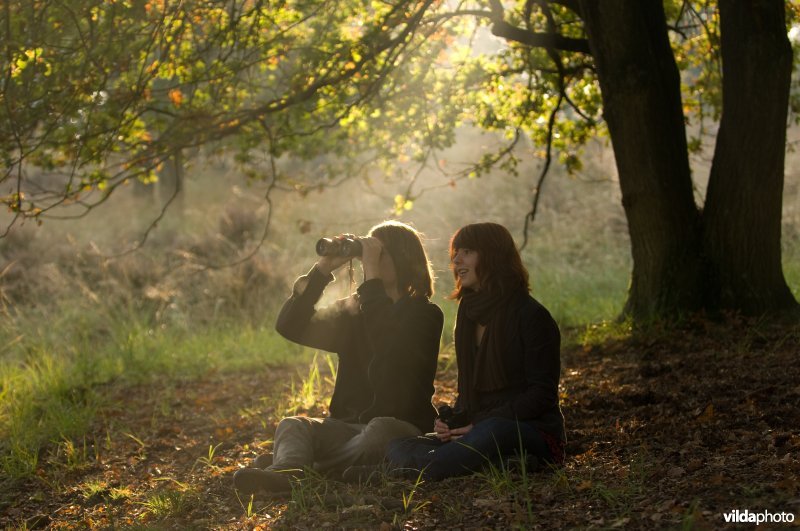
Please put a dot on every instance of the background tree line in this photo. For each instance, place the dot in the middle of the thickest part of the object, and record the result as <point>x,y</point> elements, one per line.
<point>99,94</point>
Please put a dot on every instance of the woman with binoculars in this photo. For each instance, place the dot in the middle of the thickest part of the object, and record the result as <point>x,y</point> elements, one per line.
<point>387,338</point>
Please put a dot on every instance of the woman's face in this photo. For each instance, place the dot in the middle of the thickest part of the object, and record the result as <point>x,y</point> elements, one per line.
<point>465,264</point>
<point>387,271</point>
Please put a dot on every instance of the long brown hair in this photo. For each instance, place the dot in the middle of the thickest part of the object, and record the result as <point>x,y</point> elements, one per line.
<point>404,245</point>
<point>500,267</point>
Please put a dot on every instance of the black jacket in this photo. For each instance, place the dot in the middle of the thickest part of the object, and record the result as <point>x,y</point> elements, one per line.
<point>533,362</point>
<point>387,351</point>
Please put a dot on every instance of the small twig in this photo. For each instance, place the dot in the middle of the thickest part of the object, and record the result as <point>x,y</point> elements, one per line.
<point>153,224</point>
<point>529,218</point>
<point>270,207</point>
<point>562,95</point>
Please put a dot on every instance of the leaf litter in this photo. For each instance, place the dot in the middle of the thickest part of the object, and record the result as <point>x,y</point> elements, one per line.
<point>668,428</point>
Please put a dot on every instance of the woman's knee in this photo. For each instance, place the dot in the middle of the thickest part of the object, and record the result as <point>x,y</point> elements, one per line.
<point>291,424</point>
<point>389,428</point>
<point>381,431</point>
<point>401,451</point>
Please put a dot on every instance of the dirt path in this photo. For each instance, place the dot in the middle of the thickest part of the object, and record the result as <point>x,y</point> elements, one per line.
<point>671,431</point>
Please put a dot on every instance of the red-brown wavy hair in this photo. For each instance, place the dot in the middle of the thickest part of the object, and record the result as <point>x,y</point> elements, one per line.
<point>499,266</point>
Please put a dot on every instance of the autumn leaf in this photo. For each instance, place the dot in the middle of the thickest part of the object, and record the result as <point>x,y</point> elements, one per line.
<point>176,97</point>
<point>401,204</point>
<point>707,415</point>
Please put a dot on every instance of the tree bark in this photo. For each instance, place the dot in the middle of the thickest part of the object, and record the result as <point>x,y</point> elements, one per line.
<point>640,84</point>
<point>742,216</point>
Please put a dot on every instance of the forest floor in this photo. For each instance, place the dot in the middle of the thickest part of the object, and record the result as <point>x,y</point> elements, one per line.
<point>671,430</point>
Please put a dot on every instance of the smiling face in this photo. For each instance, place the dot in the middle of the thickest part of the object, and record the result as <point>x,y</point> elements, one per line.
<point>483,256</point>
<point>465,266</point>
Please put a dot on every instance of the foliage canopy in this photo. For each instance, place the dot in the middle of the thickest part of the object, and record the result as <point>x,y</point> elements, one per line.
<point>97,93</point>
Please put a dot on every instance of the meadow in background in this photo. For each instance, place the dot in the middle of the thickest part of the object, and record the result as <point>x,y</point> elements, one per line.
<point>81,317</point>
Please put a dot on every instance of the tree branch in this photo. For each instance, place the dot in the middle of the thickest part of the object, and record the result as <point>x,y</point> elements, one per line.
<point>502,29</point>
<point>537,192</point>
<point>562,95</point>
<point>270,207</point>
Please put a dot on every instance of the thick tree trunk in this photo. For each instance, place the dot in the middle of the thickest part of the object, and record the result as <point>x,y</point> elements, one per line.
<point>742,216</point>
<point>640,84</point>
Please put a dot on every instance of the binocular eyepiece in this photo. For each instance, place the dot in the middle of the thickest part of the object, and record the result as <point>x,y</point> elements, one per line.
<point>347,246</point>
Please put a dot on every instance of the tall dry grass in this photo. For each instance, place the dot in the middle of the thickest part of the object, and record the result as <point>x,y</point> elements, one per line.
<point>78,312</point>
<point>76,319</point>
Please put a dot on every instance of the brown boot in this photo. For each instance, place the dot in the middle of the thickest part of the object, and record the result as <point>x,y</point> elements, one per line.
<point>262,461</point>
<point>251,480</point>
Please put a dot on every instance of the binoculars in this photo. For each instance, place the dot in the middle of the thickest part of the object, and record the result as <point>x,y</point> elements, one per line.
<point>454,418</point>
<point>347,246</point>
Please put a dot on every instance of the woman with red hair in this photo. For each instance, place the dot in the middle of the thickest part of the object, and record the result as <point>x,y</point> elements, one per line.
<point>508,356</point>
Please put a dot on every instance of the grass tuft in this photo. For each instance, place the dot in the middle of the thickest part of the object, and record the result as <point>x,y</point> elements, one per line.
<point>52,390</point>
<point>602,332</point>
<point>313,389</point>
<point>170,503</point>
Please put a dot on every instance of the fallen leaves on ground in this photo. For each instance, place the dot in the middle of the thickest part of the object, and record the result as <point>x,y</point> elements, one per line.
<point>666,429</point>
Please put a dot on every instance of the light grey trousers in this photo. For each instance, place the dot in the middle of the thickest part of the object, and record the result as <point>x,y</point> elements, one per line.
<point>330,446</point>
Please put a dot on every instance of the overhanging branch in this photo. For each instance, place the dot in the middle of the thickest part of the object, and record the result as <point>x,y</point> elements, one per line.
<point>505,30</point>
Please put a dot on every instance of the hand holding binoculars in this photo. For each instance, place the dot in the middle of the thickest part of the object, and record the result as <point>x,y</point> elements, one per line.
<point>345,246</point>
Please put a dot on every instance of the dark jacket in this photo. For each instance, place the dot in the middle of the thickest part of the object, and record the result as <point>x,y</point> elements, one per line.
<point>387,351</point>
<point>533,363</point>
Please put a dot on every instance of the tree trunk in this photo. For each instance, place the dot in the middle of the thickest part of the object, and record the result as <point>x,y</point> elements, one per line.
<point>742,216</point>
<point>640,84</point>
<point>171,182</point>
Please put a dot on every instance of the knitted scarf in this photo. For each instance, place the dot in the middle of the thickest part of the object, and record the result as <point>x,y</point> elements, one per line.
<point>481,367</point>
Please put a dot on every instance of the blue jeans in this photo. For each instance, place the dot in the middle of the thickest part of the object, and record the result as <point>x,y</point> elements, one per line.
<point>489,441</point>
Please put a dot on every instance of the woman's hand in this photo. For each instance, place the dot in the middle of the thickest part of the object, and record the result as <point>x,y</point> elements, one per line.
<point>445,434</point>
<point>371,250</point>
<point>442,430</point>
<point>456,433</point>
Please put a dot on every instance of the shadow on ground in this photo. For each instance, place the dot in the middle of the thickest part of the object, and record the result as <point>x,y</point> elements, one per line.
<point>669,429</point>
